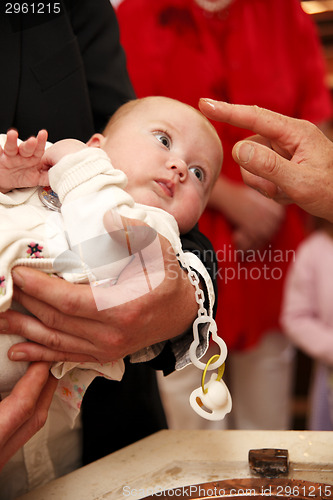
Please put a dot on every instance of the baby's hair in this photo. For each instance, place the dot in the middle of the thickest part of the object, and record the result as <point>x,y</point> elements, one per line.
<point>121,112</point>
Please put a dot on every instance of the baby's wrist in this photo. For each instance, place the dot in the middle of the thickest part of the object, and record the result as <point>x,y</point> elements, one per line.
<point>77,168</point>
<point>64,148</point>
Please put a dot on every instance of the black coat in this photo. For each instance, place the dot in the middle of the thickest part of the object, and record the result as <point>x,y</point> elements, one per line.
<point>66,73</point>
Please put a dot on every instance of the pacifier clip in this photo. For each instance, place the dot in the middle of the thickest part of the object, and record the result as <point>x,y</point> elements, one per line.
<point>212,400</point>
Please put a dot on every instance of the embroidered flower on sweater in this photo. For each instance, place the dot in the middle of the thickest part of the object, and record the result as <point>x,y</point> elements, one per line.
<point>80,390</point>
<point>66,392</point>
<point>34,251</point>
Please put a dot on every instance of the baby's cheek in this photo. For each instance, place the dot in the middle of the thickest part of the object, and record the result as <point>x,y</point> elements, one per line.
<point>191,212</point>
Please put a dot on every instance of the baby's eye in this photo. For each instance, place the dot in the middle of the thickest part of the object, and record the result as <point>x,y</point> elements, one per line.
<point>198,172</point>
<point>163,138</point>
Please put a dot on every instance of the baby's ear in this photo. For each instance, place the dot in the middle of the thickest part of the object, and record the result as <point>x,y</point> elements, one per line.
<point>96,141</point>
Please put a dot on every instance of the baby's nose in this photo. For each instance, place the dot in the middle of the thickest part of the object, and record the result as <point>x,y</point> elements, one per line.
<point>180,166</point>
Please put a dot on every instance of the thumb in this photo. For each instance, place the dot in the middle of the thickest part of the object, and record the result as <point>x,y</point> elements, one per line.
<point>262,168</point>
<point>47,161</point>
<point>43,178</point>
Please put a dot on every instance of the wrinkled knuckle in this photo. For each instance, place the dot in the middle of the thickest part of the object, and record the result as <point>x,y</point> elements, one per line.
<point>258,109</point>
<point>308,125</point>
<point>53,320</point>
<point>19,328</point>
<point>114,341</point>
<point>70,304</point>
<point>308,129</point>
<point>258,113</point>
<point>271,164</point>
<point>54,341</point>
<point>45,356</point>
<point>113,348</point>
<point>48,317</point>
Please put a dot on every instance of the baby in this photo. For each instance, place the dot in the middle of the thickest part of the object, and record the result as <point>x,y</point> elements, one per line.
<point>166,157</point>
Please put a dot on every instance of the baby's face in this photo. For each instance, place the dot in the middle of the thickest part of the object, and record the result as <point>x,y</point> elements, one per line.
<point>171,155</point>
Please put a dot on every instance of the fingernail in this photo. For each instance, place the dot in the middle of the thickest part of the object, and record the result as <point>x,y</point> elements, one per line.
<point>17,278</point>
<point>210,102</point>
<point>17,356</point>
<point>244,152</point>
<point>4,325</point>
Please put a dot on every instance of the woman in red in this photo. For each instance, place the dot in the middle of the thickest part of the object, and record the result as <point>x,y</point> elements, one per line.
<point>263,52</point>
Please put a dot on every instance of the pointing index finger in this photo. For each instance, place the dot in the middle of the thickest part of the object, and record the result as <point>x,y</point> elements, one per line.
<point>259,120</point>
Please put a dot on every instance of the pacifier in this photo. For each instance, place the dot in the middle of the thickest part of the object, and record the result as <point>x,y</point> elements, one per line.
<point>212,400</point>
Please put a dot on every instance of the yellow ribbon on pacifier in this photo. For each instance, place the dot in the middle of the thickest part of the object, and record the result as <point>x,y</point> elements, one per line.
<point>220,372</point>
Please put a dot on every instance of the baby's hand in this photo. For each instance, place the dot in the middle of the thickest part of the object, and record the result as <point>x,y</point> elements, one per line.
<point>20,165</point>
<point>60,149</point>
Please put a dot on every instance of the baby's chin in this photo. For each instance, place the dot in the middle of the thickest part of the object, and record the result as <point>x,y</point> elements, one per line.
<point>188,222</point>
<point>186,226</point>
<point>151,199</point>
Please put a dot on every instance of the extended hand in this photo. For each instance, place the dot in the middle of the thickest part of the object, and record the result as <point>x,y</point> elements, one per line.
<point>290,160</point>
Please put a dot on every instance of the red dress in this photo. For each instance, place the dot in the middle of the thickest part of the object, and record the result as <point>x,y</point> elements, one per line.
<point>263,52</point>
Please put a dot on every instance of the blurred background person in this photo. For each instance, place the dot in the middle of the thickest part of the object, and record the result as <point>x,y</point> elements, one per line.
<point>267,53</point>
<point>307,317</point>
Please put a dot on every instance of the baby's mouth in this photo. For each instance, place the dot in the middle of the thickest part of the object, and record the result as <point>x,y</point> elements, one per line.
<point>167,186</point>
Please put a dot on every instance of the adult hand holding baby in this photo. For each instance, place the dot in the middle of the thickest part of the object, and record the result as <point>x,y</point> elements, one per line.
<point>24,411</point>
<point>70,328</point>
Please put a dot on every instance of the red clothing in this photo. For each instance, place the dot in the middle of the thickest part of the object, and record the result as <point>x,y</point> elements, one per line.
<point>263,52</point>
